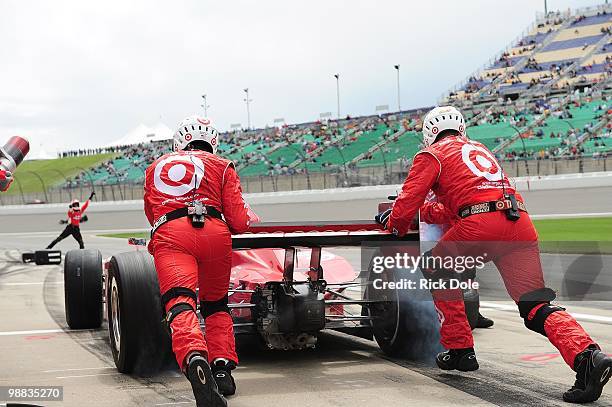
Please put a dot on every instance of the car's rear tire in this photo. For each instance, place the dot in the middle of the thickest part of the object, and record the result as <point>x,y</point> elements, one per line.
<point>406,322</point>
<point>139,340</point>
<point>83,288</point>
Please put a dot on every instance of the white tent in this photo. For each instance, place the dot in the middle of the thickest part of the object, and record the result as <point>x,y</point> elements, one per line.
<point>144,134</point>
<point>39,153</point>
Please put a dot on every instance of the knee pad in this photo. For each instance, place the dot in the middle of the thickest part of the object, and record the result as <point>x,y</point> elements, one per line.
<point>539,298</point>
<point>179,307</point>
<point>207,308</point>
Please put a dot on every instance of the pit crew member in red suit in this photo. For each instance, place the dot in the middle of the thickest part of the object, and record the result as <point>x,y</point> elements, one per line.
<point>75,216</point>
<point>435,213</point>
<point>470,183</point>
<point>192,250</point>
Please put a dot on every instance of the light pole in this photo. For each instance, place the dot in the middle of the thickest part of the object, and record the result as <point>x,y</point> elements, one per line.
<point>337,76</point>
<point>205,106</point>
<point>399,106</point>
<point>520,134</point>
<point>247,100</point>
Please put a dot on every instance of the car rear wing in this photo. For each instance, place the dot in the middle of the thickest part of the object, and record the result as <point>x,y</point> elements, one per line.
<point>313,235</point>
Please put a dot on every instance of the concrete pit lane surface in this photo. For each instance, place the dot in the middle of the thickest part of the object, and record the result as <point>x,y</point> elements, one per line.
<point>517,367</point>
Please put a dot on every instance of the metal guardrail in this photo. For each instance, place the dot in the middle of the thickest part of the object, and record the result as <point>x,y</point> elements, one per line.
<point>395,173</point>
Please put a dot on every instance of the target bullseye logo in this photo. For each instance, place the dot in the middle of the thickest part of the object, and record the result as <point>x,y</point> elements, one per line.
<point>188,137</point>
<point>177,175</point>
<point>481,162</point>
<point>434,130</point>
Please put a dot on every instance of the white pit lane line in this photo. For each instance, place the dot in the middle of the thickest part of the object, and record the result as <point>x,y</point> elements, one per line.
<point>44,331</point>
<point>579,316</point>
<point>78,369</point>
<point>32,283</point>
<point>87,375</point>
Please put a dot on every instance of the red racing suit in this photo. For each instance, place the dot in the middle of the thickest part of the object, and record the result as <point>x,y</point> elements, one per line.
<point>463,172</point>
<point>75,214</point>
<point>191,257</point>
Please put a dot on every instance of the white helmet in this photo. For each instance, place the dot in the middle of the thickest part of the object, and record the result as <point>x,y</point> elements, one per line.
<point>195,128</point>
<point>439,119</point>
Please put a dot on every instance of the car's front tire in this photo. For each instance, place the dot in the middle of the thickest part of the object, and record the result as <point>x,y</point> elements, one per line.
<point>139,341</point>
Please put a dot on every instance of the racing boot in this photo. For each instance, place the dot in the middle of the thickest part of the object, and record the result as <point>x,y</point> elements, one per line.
<point>593,369</point>
<point>457,359</point>
<point>222,371</point>
<point>203,384</point>
<point>484,322</point>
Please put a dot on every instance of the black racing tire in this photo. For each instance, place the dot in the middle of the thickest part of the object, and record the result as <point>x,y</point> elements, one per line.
<point>83,288</point>
<point>405,323</point>
<point>139,340</point>
<point>471,300</point>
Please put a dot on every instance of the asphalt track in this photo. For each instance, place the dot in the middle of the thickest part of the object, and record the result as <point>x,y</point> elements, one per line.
<point>539,203</point>
<point>518,367</point>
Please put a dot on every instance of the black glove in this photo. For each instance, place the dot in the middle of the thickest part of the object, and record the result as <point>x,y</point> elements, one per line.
<point>383,218</point>
<point>92,195</point>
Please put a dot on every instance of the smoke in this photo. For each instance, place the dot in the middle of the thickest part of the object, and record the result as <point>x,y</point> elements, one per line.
<point>422,326</point>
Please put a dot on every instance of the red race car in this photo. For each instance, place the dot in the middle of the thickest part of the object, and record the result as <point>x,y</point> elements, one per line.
<point>284,287</point>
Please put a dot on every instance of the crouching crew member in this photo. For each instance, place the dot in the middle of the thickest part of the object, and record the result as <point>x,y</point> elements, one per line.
<point>193,200</point>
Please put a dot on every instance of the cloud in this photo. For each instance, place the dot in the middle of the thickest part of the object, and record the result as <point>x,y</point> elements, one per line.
<point>78,73</point>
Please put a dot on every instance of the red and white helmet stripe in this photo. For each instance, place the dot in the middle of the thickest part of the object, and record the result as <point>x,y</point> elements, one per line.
<point>439,119</point>
<point>195,128</point>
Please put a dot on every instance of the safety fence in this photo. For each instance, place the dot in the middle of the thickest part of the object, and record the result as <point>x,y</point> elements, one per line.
<point>337,177</point>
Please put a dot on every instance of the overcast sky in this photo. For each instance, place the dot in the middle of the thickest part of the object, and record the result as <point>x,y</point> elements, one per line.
<point>84,73</point>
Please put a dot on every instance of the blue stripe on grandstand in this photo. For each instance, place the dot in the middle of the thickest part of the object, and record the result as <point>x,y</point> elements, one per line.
<point>538,38</point>
<point>606,48</point>
<point>597,68</point>
<point>593,20</point>
<point>478,84</point>
<point>545,66</point>
<point>509,62</point>
<point>573,43</point>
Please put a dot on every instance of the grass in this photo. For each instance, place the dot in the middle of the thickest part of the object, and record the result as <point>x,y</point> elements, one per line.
<point>139,235</point>
<point>574,229</point>
<point>52,172</point>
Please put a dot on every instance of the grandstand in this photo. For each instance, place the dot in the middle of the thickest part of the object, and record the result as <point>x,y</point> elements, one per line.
<point>544,96</point>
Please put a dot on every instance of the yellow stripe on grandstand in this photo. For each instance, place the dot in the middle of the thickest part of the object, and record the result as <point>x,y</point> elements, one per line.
<point>597,59</point>
<point>527,77</point>
<point>562,54</point>
<point>588,77</point>
<point>584,31</point>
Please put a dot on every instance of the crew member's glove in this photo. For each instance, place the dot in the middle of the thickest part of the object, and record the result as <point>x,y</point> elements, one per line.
<point>383,218</point>
<point>6,178</point>
<point>92,195</point>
